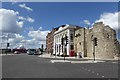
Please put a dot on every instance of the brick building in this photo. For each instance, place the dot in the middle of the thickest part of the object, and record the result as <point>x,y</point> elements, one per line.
<point>49,41</point>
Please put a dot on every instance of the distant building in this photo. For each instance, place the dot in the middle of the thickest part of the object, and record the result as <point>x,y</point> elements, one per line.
<point>49,41</point>
<point>106,46</point>
<point>63,31</point>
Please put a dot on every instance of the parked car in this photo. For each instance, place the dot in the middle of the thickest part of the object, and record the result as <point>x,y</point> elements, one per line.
<point>21,50</point>
<point>16,52</point>
<point>37,52</point>
<point>31,51</point>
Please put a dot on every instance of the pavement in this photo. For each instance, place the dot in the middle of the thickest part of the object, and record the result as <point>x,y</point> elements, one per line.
<point>6,54</point>
<point>57,59</point>
<point>69,61</point>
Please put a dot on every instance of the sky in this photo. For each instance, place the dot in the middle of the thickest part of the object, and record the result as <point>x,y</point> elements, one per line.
<point>28,23</point>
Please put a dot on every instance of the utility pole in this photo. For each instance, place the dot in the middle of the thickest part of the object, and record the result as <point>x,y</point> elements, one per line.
<point>7,44</point>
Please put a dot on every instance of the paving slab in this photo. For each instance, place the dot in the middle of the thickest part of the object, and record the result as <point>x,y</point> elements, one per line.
<point>60,61</point>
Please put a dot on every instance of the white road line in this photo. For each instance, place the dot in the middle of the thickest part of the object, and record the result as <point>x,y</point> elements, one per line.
<point>97,73</point>
<point>103,76</point>
<point>92,72</point>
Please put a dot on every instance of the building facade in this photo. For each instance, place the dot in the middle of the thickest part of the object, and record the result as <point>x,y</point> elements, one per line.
<point>63,31</point>
<point>49,41</point>
<point>106,45</point>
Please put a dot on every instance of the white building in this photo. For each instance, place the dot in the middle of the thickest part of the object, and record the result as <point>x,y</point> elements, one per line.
<point>64,30</point>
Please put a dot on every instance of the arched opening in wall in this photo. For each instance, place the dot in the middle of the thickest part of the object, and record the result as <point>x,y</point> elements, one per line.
<point>95,41</point>
<point>79,43</point>
<point>92,37</point>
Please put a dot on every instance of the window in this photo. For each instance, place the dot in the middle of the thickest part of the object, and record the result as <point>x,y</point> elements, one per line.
<point>57,48</point>
<point>108,36</point>
<point>71,47</point>
<point>71,36</point>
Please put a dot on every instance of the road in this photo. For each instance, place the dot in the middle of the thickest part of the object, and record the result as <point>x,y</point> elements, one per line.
<point>31,66</point>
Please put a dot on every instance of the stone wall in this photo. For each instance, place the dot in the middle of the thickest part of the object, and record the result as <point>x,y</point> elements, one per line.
<point>79,43</point>
<point>107,44</point>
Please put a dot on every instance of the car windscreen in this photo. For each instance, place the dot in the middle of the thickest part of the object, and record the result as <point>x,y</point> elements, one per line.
<point>32,49</point>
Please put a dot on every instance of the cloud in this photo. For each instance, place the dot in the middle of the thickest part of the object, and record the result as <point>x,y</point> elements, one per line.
<point>14,1</point>
<point>30,28</point>
<point>20,24</point>
<point>40,28</point>
<point>32,43</point>
<point>29,19</point>
<point>8,21</point>
<point>21,18</point>
<point>12,38</point>
<point>110,19</point>
<point>38,34</point>
<point>25,7</point>
<point>87,22</point>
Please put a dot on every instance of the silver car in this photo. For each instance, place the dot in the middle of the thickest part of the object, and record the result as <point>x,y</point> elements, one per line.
<point>31,51</point>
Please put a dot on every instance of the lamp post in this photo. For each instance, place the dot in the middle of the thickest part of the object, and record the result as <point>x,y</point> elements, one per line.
<point>7,44</point>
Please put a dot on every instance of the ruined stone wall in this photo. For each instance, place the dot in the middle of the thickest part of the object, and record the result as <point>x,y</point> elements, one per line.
<point>79,41</point>
<point>107,44</point>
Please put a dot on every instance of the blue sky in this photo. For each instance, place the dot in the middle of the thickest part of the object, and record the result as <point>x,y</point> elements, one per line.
<point>53,14</point>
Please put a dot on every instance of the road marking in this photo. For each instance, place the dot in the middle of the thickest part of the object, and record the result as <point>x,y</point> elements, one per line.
<point>103,76</point>
<point>93,72</point>
<point>97,73</point>
<point>114,62</point>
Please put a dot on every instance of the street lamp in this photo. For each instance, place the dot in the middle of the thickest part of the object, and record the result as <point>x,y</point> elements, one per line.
<point>7,44</point>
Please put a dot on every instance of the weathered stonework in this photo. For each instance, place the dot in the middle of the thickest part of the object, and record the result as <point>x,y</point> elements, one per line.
<point>107,44</point>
